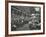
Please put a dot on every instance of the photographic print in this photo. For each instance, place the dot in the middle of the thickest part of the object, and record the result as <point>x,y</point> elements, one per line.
<point>25,18</point>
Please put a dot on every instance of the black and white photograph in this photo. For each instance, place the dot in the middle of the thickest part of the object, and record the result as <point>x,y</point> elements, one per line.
<point>25,18</point>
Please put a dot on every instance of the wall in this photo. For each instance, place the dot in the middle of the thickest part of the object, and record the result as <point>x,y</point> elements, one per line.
<point>2,19</point>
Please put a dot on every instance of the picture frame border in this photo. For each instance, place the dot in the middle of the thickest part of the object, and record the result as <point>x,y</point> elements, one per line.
<point>6,17</point>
